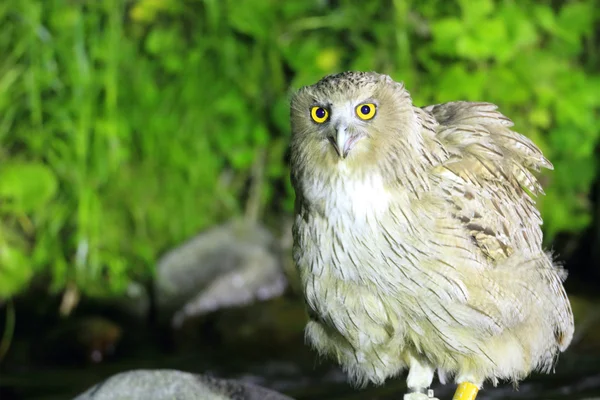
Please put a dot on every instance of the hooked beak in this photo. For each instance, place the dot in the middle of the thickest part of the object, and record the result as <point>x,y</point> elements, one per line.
<point>343,141</point>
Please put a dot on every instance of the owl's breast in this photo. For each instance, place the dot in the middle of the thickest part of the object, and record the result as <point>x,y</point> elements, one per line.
<point>345,199</point>
<point>353,229</point>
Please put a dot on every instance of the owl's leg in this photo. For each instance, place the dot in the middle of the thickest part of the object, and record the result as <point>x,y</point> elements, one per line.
<point>468,386</point>
<point>420,376</point>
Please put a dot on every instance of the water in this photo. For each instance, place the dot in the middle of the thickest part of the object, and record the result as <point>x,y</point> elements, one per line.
<point>262,344</point>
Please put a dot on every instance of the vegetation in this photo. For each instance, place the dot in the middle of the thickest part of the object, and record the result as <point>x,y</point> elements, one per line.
<point>126,127</point>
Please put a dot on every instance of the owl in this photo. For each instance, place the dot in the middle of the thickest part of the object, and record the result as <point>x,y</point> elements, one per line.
<point>417,239</point>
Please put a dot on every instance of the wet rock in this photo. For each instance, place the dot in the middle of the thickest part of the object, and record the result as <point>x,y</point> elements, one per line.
<point>229,265</point>
<point>173,384</point>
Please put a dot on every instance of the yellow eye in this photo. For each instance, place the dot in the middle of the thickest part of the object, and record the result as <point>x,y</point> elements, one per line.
<point>319,114</point>
<point>366,111</point>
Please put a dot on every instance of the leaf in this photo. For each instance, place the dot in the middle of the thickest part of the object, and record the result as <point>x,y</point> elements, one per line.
<point>540,116</point>
<point>253,18</point>
<point>474,12</point>
<point>577,18</point>
<point>15,273</point>
<point>328,59</point>
<point>445,33</point>
<point>544,16</point>
<point>485,40</point>
<point>26,186</point>
<point>260,135</point>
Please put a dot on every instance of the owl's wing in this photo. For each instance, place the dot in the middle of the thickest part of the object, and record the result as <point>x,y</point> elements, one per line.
<point>484,173</point>
<point>486,176</point>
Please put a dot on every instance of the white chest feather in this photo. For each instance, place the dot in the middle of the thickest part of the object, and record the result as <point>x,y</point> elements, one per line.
<point>355,201</point>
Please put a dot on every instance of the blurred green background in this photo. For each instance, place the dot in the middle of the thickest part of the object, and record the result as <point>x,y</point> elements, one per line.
<point>127,127</point>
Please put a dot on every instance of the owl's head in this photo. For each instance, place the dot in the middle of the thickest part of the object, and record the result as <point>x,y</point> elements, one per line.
<point>351,120</point>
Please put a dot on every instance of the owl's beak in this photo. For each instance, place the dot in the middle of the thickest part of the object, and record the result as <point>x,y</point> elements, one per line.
<point>343,141</point>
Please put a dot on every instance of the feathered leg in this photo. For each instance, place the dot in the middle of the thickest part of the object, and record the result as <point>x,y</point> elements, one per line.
<point>420,376</point>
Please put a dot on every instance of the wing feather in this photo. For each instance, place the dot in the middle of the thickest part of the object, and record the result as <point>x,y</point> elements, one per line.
<point>487,179</point>
<point>489,168</point>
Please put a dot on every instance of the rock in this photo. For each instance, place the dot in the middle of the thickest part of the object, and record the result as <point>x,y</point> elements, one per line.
<point>173,384</point>
<point>229,265</point>
<point>258,279</point>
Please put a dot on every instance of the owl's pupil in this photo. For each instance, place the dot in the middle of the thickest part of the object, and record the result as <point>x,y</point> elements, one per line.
<point>365,109</point>
<point>320,113</point>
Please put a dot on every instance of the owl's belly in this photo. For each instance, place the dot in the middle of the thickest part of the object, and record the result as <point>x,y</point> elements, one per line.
<point>374,279</point>
<point>357,311</point>
<point>348,278</point>
<point>370,272</point>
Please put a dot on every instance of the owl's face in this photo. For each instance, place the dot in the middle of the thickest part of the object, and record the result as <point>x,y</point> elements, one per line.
<point>349,119</point>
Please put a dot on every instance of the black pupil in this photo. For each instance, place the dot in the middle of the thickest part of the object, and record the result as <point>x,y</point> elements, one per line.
<point>365,110</point>
<point>320,113</point>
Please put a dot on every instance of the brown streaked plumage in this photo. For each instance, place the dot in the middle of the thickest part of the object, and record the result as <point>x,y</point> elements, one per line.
<point>417,239</point>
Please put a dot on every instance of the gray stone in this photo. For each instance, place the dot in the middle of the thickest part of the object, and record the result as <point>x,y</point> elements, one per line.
<point>175,385</point>
<point>258,278</point>
<point>230,265</point>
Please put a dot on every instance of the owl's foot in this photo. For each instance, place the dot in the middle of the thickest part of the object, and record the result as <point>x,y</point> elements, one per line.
<point>420,376</point>
<point>466,391</point>
<point>420,396</point>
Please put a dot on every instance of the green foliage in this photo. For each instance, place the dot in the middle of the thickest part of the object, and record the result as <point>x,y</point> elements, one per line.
<point>127,127</point>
